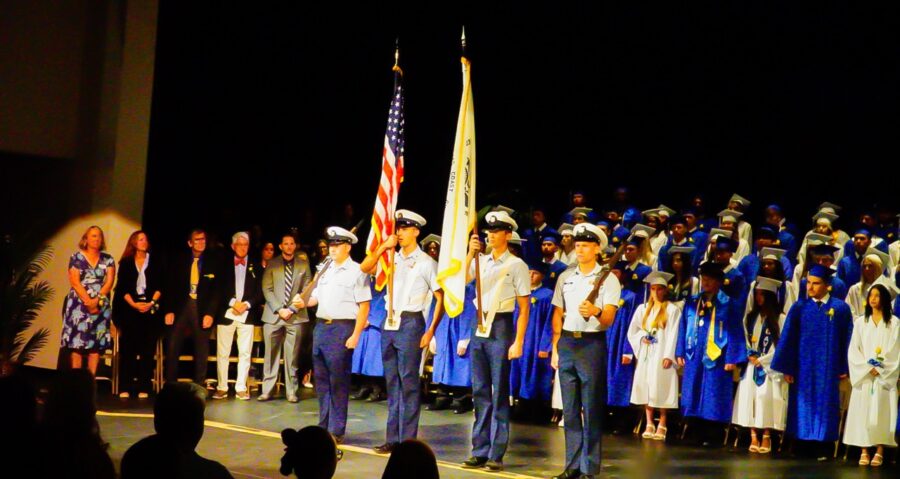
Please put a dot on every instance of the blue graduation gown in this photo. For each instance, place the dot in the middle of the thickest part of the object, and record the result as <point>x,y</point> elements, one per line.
<point>631,216</point>
<point>556,268</point>
<point>707,224</point>
<point>735,286</point>
<point>849,250</point>
<point>619,235</point>
<point>700,240</point>
<point>367,355</point>
<point>813,348</point>
<point>707,390</point>
<point>532,247</point>
<point>787,241</point>
<point>619,376</point>
<point>531,377</point>
<point>749,267</point>
<point>849,268</point>
<point>634,280</point>
<point>839,289</point>
<point>450,369</point>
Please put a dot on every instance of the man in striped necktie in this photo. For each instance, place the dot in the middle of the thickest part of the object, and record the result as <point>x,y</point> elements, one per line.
<point>284,278</point>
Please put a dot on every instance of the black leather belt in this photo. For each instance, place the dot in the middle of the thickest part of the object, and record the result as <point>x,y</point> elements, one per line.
<point>584,334</point>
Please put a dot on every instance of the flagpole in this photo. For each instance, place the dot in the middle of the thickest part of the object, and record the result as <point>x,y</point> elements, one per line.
<point>479,305</point>
<point>390,282</point>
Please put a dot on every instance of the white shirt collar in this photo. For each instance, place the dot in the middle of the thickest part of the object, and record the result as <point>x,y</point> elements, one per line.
<point>413,255</point>
<point>503,257</point>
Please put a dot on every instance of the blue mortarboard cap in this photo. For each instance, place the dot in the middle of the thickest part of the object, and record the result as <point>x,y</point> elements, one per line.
<point>766,232</point>
<point>550,235</point>
<point>726,244</point>
<point>820,271</point>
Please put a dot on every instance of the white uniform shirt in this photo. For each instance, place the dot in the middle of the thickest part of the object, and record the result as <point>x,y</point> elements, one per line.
<point>340,290</point>
<point>573,287</point>
<point>511,272</point>
<point>420,270</point>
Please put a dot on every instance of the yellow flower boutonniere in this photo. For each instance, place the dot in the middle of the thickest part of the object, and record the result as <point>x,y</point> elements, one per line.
<point>634,276</point>
<point>621,303</point>
<point>878,350</point>
<point>709,304</point>
<point>702,312</point>
<point>690,240</point>
<point>831,313</point>
<point>533,300</point>
<point>727,281</point>
<point>615,239</point>
<point>829,289</point>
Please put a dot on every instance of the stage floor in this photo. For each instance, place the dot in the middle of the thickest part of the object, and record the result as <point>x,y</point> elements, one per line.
<point>244,436</point>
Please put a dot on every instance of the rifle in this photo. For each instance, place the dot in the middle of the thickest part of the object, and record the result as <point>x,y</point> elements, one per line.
<point>604,273</point>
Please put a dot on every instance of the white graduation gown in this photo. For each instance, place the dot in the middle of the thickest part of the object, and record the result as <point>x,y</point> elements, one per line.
<point>872,416</point>
<point>653,385</point>
<point>856,295</point>
<point>894,253</point>
<point>765,406</point>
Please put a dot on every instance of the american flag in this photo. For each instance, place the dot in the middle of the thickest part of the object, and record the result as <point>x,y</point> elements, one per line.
<point>389,186</point>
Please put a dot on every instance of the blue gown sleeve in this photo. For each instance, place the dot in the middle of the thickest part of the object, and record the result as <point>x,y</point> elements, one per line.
<point>682,326</point>
<point>785,360</point>
<point>736,351</point>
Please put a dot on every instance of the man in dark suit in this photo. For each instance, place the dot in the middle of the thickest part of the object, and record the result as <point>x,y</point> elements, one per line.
<point>285,277</point>
<point>192,301</point>
<point>241,291</point>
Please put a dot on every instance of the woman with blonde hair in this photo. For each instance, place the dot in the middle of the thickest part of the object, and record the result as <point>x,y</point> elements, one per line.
<point>653,335</point>
<point>86,309</point>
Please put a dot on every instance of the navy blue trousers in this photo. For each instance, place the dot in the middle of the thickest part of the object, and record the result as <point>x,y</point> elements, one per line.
<point>401,356</point>
<point>332,363</point>
<point>582,362</point>
<point>490,388</point>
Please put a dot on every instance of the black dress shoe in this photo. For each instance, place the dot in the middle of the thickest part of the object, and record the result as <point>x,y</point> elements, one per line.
<point>439,404</point>
<point>569,474</point>
<point>474,462</point>
<point>376,396</point>
<point>361,394</point>
<point>463,406</point>
<point>385,448</point>
<point>494,466</point>
<point>338,439</point>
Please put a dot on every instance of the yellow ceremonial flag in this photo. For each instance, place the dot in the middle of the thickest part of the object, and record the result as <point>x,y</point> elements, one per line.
<point>459,209</point>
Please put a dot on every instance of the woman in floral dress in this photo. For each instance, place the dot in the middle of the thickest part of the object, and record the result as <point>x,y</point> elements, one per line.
<point>86,310</point>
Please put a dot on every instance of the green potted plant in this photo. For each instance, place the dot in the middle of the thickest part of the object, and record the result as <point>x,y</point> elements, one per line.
<point>22,296</point>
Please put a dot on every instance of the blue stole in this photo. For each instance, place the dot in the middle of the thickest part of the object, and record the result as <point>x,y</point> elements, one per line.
<point>765,342</point>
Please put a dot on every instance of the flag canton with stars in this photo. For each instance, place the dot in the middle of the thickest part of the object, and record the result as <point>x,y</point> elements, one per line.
<point>395,119</point>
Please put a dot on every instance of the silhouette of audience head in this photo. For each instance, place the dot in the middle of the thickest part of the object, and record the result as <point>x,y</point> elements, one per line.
<point>178,419</point>
<point>178,414</point>
<point>411,459</point>
<point>18,404</point>
<point>70,410</point>
<point>311,453</point>
<point>70,429</point>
